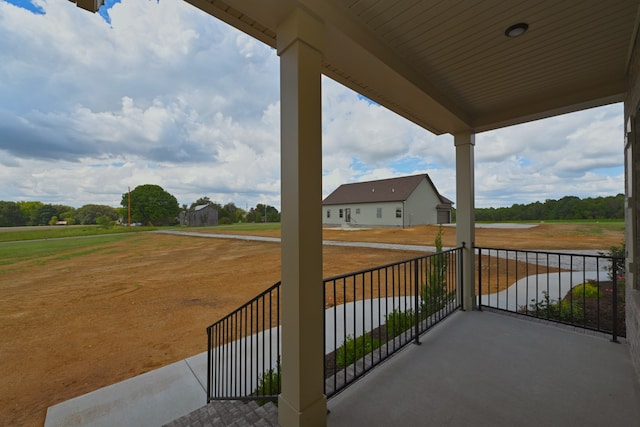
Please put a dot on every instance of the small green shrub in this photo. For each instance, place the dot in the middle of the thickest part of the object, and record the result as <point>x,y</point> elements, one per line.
<point>563,311</point>
<point>585,290</point>
<point>355,349</point>
<point>269,384</point>
<point>433,293</point>
<point>618,252</point>
<point>399,321</point>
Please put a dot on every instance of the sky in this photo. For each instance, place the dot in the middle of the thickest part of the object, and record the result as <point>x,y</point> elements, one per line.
<point>157,92</point>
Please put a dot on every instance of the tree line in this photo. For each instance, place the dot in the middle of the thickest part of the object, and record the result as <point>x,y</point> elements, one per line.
<point>15,214</point>
<point>566,208</point>
<point>150,205</point>
<point>230,213</point>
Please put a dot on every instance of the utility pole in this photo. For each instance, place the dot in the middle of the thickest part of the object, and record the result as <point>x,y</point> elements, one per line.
<point>129,207</point>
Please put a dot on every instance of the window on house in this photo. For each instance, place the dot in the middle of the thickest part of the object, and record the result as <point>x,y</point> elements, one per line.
<point>340,213</point>
<point>328,213</point>
<point>357,211</point>
<point>398,212</point>
<point>379,213</point>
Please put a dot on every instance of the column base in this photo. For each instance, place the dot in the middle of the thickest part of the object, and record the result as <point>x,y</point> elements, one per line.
<point>311,416</point>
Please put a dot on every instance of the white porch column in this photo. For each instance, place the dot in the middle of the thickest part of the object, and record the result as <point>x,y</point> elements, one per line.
<point>465,216</point>
<point>302,401</point>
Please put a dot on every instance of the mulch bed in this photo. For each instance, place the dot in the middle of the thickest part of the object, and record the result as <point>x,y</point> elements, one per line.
<point>598,312</point>
<point>330,367</point>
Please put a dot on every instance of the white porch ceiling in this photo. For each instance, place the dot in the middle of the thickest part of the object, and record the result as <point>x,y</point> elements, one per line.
<point>447,65</point>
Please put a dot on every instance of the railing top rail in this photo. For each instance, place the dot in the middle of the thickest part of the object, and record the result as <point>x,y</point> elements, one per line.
<point>248,303</point>
<point>380,267</point>
<point>550,252</point>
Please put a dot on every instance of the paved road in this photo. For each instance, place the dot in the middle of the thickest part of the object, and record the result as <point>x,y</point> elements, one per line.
<point>591,262</point>
<point>392,246</point>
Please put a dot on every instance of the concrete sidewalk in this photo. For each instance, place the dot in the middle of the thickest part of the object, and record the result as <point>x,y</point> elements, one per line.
<point>151,399</point>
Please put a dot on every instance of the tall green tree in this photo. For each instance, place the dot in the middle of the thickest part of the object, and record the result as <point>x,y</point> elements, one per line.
<point>30,211</point>
<point>11,215</point>
<point>263,213</point>
<point>152,205</point>
<point>88,214</point>
<point>233,213</point>
<point>45,213</point>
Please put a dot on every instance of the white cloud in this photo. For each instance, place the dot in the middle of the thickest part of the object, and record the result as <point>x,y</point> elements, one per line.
<point>552,158</point>
<point>165,94</point>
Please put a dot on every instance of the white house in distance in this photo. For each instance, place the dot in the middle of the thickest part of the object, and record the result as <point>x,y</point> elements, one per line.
<point>395,202</point>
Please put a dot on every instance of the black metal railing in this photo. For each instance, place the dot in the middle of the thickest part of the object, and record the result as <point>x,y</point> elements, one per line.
<point>244,351</point>
<point>582,290</point>
<point>371,314</point>
<point>390,306</point>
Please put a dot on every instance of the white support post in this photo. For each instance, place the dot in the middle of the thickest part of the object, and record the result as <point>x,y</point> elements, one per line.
<point>302,401</point>
<point>465,216</point>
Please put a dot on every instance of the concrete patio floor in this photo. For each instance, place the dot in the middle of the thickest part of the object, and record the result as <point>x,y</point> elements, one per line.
<point>490,369</point>
<point>475,368</point>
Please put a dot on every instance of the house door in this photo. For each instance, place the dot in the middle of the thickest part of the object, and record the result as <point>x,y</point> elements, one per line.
<point>444,217</point>
<point>347,215</point>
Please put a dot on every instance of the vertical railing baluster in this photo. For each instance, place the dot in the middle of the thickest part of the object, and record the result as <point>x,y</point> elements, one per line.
<point>461,274</point>
<point>227,360</point>
<point>614,301</point>
<point>278,349</point>
<point>270,354</point>
<point>379,312</point>
<point>364,341</point>
<point>263,368</point>
<point>386,300</point>
<point>498,259</point>
<point>393,293</point>
<point>335,335</point>
<point>560,282</point>
<point>516,277</point>
<point>344,323</point>
<point>598,300</point>
<point>479,279</point>
<point>370,274</point>
<point>243,336</point>
<point>416,313</point>
<point>584,293</point>
<point>209,369</point>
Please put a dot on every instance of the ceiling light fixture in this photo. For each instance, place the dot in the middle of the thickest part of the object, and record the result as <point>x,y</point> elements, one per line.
<point>516,30</point>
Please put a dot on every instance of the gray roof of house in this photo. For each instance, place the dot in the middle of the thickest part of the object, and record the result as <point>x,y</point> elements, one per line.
<point>383,190</point>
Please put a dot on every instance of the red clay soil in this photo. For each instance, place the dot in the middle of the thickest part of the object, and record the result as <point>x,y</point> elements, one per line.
<point>72,324</point>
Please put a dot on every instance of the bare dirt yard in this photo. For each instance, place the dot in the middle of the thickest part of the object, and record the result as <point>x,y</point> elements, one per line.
<point>86,318</point>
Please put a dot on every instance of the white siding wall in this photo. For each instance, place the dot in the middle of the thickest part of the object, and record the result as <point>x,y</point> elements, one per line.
<point>420,208</point>
<point>366,217</point>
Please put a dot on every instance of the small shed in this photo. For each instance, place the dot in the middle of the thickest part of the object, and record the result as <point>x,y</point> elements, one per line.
<point>395,202</point>
<point>200,215</point>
